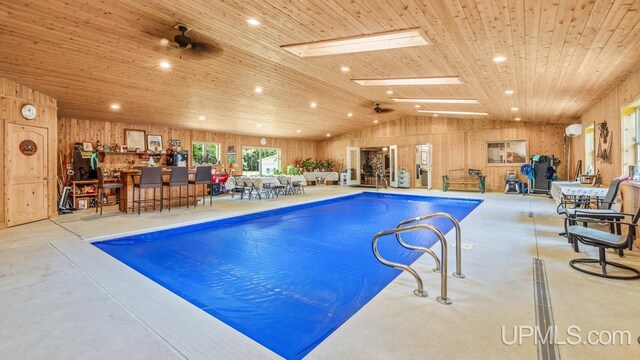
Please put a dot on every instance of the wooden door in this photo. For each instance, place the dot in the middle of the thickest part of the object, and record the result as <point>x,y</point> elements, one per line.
<point>27,197</point>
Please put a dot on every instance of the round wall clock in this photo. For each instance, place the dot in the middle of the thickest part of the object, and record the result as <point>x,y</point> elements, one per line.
<point>263,141</point>
<point>29,111</point>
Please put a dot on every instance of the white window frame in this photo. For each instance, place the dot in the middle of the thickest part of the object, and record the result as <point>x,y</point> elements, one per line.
<point>505,163</point>
<point>218,147</point>
<point>260,170</point>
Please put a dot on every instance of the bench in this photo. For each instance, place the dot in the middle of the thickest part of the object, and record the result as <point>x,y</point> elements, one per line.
<point>462,179</point>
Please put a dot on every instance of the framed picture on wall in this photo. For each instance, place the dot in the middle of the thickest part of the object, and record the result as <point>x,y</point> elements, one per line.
<point>154,142</point>
<point>134,139</point>
<point>87,146</point>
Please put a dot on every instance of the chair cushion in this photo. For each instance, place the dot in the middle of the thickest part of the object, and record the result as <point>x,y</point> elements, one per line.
<point>594,213</point>
<point>596,236</point>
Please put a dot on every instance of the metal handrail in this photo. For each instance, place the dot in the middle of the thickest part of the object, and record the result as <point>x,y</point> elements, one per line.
<point>456,224</point>
<point>421,249</point>
<point>443,299</point>
<point>379,175</point>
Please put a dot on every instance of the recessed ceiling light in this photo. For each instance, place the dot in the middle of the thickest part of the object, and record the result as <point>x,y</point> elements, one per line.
<point>350,114</point>
<point>436,101</point>
<point>298,131</point>
<point>328,135</point>
<point>259,125</point>
<point>313,104</point>
<point>202,118</point>
<point>258,89</point>
<point>441,80</point>
<point>253,22</point>
<point>375,121</point>
<point>517,119</point>
<point>514,109</point>
<point>165,64</point>
<point>508,92</point>
<point>445,112</point>
<point>389,92</point>
<point>435,115</point>
<point>345,69</point>
<point>417,106</point>
<point>499,59</point>
<point>115,106</point>
<point>380,41</point>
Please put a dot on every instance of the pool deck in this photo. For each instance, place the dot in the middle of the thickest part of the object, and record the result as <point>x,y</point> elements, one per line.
<point>63,299</point>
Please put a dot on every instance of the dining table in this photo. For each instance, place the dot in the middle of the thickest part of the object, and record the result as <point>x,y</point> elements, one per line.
<point>574,189</point>
<point>259,181</point>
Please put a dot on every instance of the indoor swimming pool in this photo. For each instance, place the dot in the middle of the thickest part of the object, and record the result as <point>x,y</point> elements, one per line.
<point>286,278</point>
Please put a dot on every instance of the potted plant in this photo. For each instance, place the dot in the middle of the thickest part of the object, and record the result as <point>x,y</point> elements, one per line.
<point>329,165</point>
<point>307,164</point>
<point>318,165</point>
<point>293,170</point>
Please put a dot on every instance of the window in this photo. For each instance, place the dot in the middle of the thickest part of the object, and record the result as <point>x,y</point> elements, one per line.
<point>205,153</point>
<point>589,150</point>
<point>630,135</point>
<point>507,152</point>
<point>260,161</point>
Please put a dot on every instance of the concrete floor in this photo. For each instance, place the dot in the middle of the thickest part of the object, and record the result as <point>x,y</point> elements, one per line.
<point>51,309</point>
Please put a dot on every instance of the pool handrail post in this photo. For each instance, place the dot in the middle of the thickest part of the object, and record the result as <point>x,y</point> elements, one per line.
<point>458,273</point>
<point>420,290</point>
<point>443,299</point>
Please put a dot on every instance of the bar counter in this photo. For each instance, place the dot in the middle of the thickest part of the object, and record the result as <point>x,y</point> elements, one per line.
<point>126,194</point>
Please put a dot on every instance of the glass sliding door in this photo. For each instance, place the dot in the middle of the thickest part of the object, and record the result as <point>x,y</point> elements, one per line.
<point>260,161</point>
<point>393,165</point>
<point>353,166</point>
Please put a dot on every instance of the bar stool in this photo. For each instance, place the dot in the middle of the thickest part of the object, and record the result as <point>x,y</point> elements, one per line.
<point>179,177</point>
<point>150,178</point>
<point>108,186</point>
<point>203,177</point>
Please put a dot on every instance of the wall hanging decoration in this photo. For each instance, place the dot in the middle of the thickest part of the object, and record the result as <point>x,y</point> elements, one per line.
<point>28,147</point>
<point>134,139</point>
<point>604,143</point>
<point>154,142</point>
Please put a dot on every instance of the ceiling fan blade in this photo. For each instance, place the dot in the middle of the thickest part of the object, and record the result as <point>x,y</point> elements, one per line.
<point>199,51</point>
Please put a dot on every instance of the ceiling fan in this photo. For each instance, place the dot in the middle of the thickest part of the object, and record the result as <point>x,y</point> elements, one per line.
<point>381,110</point>
<point>188,45</point>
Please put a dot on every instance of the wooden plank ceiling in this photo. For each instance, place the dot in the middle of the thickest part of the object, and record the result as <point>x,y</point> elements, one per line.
<point>561,57</point>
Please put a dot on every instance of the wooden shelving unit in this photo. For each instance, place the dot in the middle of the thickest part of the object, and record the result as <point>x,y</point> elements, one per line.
<point>78,184</point>
<point>128,153</point>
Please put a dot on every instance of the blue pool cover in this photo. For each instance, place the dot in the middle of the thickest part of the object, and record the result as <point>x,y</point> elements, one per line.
<point>286,278</point>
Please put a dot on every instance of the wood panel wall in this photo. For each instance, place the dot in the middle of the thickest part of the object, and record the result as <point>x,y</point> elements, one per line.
<point>12,97</point>
<point>457,143</point>
<point>609,109</point>
<point>71,131</point>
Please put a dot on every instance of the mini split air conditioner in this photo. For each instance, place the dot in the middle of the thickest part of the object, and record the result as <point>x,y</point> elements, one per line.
<point>573,130</point>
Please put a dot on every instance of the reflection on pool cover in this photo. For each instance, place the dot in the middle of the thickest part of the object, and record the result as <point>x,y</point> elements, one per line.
<point>286,278</point>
